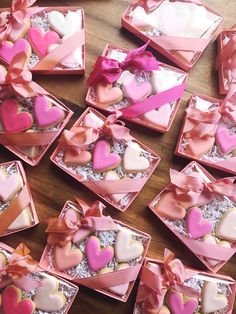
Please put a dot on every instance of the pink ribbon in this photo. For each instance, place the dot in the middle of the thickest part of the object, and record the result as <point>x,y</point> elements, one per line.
<point>62,230</point>
<point>147,4</point>
<point>225,54</point>
<point>155,284</point>
<point>15,272</point>
<point>19,13</point>
<point>109,70</point>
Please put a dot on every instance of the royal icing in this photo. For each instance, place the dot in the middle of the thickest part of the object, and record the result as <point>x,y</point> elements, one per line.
<point>40,41</point>
<point>65,24</point>
<point>14,121</point>
<point>160,116</point>
<point>226,228</point>
<point>133,162</point>
<point>211,300</point>
<point>47,115</point>
<point>126,248</point>
<point>196,226</point>
<point>10,185</point>
<point>199,146</point>
<point>108,95</point>
<point>168,207</point>
<point>97,257</point>
<point>23,220</point>
<point>8,50</point>
<point>135,91</point>
<point>178,305</point>
<point>225,141</point>
<point>47,297</point>
<point>74,156</point>
<point>111,175</point>
<point>103,159</point>
<point>66,257</point>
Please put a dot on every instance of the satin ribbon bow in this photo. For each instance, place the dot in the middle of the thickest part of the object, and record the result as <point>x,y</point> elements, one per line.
<point>62,230</point>
<point>156,281</point>
<point>20,12</point>
<point>109,70</point>
<point>82,136</point>
<point>191,190</point>
<point>19,80</point>
<point>18,267</point>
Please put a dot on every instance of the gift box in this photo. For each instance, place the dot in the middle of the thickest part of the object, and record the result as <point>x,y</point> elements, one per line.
<point>27,288</point>
<point>226,59</point>
<point>173,27</point>
<point>31,118</point>
<point>208,132</point>
<point>200,211</point>
<point>146,91</point>
<point>100,153</point>
<point>16,204</point>
<point>94,250</point>
<point>170,287</point>
<point>52,37</point>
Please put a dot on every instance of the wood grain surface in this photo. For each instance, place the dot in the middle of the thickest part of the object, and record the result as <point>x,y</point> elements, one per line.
<point>51,187</point>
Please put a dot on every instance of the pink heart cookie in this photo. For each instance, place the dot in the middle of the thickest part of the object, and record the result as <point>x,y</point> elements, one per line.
<point>41,41</point>
<point>66,258</point>
<point>224,140</point>
<point>195,225</point>
<point>12,120</point>
<point>136,92</point>
<point>159,117</point>
<point>74,156</point>
<point>169,208</point>
<point>108,95</point>
<point>10,185</point>
<point>176,304</point>
<point>47,115</point>
<point>199,146</point>
<point>8,50</point>
<point>97,257</point>
<point>103,159</point>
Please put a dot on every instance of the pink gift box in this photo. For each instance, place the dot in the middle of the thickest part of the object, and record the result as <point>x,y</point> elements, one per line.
<point>183,51</point>
<point>151,267</point>
<point>131,184</point>
<point>225,41</point>
<point>212,207</point>
<point>50,64</point>
<point>82,274</point>
<point>213,154</point>
<point>18,202</point>
<point>68,289</point>
<point>115,52</point>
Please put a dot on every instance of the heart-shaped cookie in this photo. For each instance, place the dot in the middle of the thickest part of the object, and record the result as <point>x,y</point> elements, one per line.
<point>103,159</point>
<point>135,91</point>
<point>125,75</point>
<point>92,121</point>
<point>178,304</point>
<point>14,121</point>
<point>197,147</point>
<point>111,175</point>
<point>196,226</point>
<point>225,141</point>
<point>126,248</point>
<point>11,302</point>
<point>10,185</point>
<point>162,80</point>
<point>226,228</point>
<point>133,161</point>
<point>8,50</point>
<point>160,116</point>
<point>97,257</point>
<point>67,24</point>
<point>212,301</point>
<point>140,19</point>
<point>108,95</point>
<point>74,156</point>
<point>66,258</point>
<point>23,220</point>
<point>47,297</point>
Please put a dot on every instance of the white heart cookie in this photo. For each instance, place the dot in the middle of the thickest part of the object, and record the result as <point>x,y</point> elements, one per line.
<point>226,229</point>
<point>121,289</point>
<point>22,221</point>
<point>126,248</point>
<point>126,75</point>
<point>211,300</point>
<point>65,25</point>
<point>133,162</point>
<point>47,297</point>
<point>162,80</point>
<point>10,185</point>
<point>112,175</point>
<point>212,240</point>
<point>159,116</point>
<point>142,20</point>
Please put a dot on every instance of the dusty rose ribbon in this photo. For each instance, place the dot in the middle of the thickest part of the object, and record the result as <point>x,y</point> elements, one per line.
<point>61,230</point>
<point>226,54</point>
<point>109,70</point>
<point>18,267</point>
<point>19,13</point>
<point>155,284</point>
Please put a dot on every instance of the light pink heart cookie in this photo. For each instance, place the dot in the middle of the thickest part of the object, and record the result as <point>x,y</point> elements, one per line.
<point>199,146</point>
<point>169,208</point>
<point>74,156</point>
<point>8,50</point>
<point>66,257</point>
<point>160,116</point>
<point>225,141</point>
<point>111,175</point>
<point>196,226</point>
<point>10,185</point>
<point>41,41</point>
<point>103,159</point>
<point>136,92</point>
<point>108,95</point>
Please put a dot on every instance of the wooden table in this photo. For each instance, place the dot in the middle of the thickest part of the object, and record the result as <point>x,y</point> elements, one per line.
<point>51,187</point>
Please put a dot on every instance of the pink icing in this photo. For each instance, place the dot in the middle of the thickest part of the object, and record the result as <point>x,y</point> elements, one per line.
<point>136,92</point>
<point>46,115</point>
<point>97,257</point>
<point>9,50</point>
<point>195,225</point>
<point>41,41</point>
<point>177,306</point>
<point>102,158</point>
<point>10,303</point>
<point>12,120</point>
<point>8,186</point>
<point>66,258</point>
<point>224,140</point>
